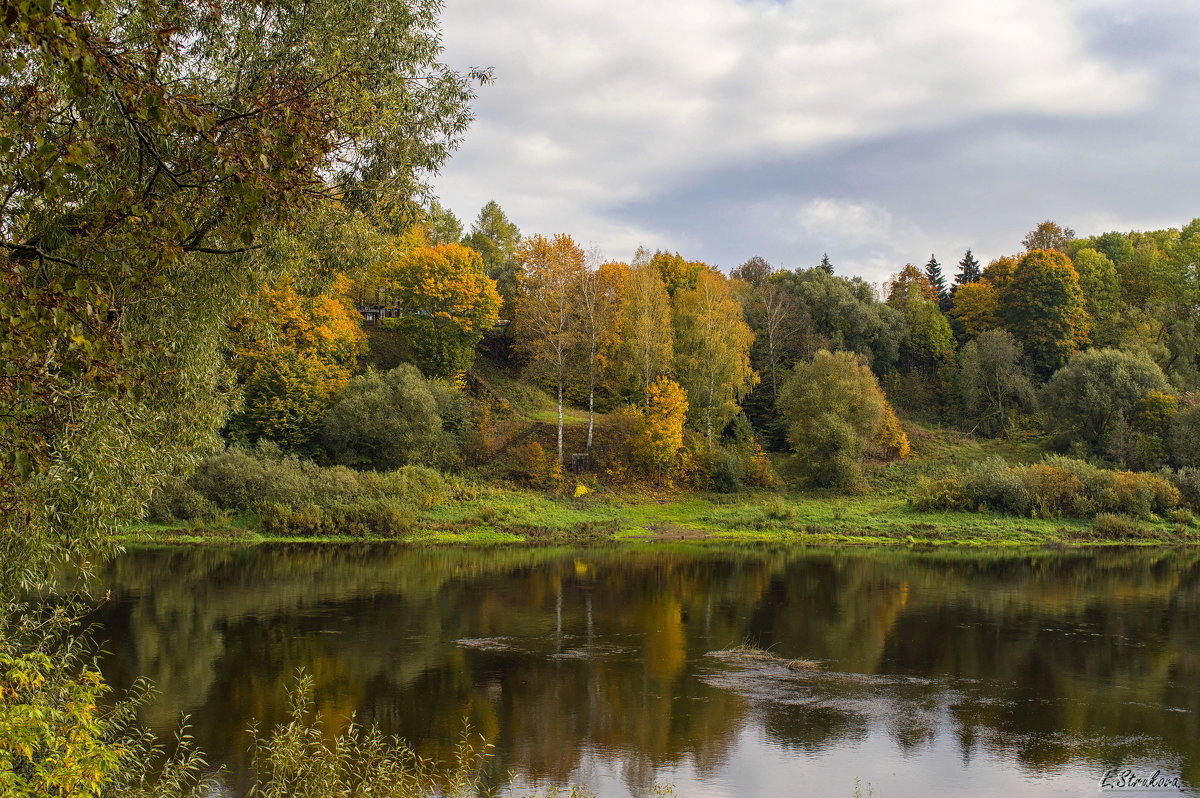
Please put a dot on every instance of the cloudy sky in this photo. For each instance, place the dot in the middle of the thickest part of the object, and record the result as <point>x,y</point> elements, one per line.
<point>879,131</point>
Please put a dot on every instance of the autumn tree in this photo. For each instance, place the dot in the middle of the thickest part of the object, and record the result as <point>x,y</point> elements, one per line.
<point>999,272</point>
<point>647,336</point>
<point>910,282</point>
<point>496,239</point>
<point>974,310</point>
<point>1048,236</point>
<point>600,312</point>
<point>446,302</point>
<point>676,271</point>
<point>658,433</point>
<point>754,272</point>
<point>292,355</point>
<point>547,319</point>
<point>1043,306</point>
<point>712,350</point>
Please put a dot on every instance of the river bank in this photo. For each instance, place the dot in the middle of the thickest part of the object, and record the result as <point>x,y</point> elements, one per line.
<point>511,516</point>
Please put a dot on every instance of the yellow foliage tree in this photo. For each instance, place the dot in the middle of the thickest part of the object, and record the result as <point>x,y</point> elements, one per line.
<point>447,304</point>
<point>547,320</point>
<point>974,310</point>
<point>712,350</point>
<point>600,311</point>
<point>647,337</point>
<point>658,432</point>
<point>292,353</point>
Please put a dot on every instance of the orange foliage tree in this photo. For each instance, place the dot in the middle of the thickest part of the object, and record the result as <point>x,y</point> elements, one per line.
<point>447,303</point>
<point>292,353</point>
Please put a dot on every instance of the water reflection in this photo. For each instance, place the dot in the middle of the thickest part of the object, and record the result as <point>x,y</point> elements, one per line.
<point>975,671</point>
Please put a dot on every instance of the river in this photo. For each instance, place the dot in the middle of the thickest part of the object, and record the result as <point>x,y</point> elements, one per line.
<point>720,670</point>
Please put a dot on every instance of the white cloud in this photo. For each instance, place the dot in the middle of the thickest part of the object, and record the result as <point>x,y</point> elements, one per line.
<point>596,104</point>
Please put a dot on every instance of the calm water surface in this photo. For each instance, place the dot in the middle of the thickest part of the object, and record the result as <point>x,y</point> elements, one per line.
<point>948,673</point>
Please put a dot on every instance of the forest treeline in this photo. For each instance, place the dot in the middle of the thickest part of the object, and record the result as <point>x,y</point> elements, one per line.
<point>1090,344</point>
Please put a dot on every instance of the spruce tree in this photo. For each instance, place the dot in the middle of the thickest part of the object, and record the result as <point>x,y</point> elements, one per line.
<point>933,270</point>
<point>825,265</point>
<point>968,272</point>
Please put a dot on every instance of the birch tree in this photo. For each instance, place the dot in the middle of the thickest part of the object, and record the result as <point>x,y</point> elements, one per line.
<point>547,319</point>
<point>712,350</point>
<point>647,338</point>
<point>600,315</point>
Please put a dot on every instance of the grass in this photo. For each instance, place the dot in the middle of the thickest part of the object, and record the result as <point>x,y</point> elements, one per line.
<point>505,516</point>
<point>495,514</point>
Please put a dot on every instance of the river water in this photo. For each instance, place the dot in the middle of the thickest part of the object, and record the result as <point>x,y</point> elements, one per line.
<point>925,673</point>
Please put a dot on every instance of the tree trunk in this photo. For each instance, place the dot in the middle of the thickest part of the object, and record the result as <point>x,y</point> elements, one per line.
<point>560,423</point>
<point>591,415</point>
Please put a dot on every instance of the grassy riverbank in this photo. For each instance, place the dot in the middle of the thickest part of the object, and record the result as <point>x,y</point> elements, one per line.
<point>514,516</point>
<point>482,509</point>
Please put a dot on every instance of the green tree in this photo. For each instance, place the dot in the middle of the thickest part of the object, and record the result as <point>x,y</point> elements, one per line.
<point>146,154</point>
<point>835,411</point>
<point>447,304</point>
<point>1115,246</point>
<point>968,271</point>
<point>933,272</point>
<point>496,239</point>
<point>1102,294</point>
<point>712,351</point>
<point>825,265</point>
<point>548,327</point>
<point>832,312</point>
<point>444,226</point>
<point>1043,306</point>
<point>384,421</point>
<point>1096,392</point>
<point>996,390</point>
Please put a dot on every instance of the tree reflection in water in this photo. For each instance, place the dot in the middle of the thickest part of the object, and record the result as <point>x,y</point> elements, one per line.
<point>570,660</point>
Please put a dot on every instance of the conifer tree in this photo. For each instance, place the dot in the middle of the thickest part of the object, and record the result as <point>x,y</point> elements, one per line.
<point>968,271</point>
<point>933,270</point>
<point>825,265</point>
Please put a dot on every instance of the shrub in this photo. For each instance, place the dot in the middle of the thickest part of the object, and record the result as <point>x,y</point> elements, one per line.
<point>384,421</point>
<point>1052,491</point>
<point>1111,525</point>
<point>726,470</point>
<point>1187,482</point>
<point>940,494</point>
<point>177,500</point>
<point>993,485</point>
